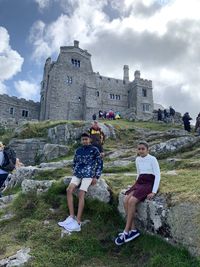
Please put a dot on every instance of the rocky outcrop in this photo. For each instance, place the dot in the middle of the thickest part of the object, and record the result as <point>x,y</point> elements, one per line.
<point>35,150</point>
<point>19,259</point>
<point>53,151</point>
<point>36,186</point>
<point>174,145</point>
<point>118,163</point>
<point>28,150</point>
<point>100,191</point>
<point>178,222</point>
<point>29,172</point>
<point>70,133</point>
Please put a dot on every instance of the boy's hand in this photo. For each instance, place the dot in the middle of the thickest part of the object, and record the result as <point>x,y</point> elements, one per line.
<point>94,181</point>
<point>150,196</point>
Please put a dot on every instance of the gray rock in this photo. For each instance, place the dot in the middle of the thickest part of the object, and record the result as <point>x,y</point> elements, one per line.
<point>57,165</point>
<point>28,150</point>
<point>118,163</point>
<point>174,145</point>
<point>22,256</point>
<point>99,191</point>
<point>177,222</point>
<point>53,151</point>
<point>70,133</point>
<point>36,186</point>
<point>6,217</point>
<point>6,200</point>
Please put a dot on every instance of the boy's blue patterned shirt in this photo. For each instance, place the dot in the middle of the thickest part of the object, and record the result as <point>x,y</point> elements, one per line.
<point>87,162</point>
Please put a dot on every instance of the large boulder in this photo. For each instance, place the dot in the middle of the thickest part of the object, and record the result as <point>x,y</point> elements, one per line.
<point>70,133</point>
<point>100,191</point>
<point>174,145</point>
<point>28,150</point>
<point>53,151</point>
<point>56,165</point>
<point>178,222</point>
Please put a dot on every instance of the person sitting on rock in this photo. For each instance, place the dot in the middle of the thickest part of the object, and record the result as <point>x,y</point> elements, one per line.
<point>146,186</point>
<point>87,169</point>
<point>7,163</point>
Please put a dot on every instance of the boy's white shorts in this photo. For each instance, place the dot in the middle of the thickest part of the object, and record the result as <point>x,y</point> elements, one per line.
<point>83,182</point>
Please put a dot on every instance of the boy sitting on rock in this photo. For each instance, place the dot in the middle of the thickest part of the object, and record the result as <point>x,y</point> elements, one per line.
<point>87,168</point>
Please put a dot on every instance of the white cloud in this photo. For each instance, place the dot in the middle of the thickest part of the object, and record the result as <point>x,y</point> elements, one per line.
<point>158,36</point>
<point>42,3</point>
<point>27,89</point>
<point>10,60</point>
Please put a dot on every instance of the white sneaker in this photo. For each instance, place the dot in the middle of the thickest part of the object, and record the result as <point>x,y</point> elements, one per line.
<point>67,221</point>
<point>73,227</point>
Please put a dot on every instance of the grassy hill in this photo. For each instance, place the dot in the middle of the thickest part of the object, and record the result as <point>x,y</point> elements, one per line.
<point>36,217</point>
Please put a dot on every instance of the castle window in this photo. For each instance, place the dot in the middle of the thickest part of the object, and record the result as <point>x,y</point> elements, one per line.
<point>79,99</point>
<point>11,111</point>
<point>117,97</point>
<point>100,77</point>
<point>24,113</point>
<point>69,80</point>
<point>145,107</point>
<point>76,63</point>
<point>144,92</point>
<point>108,79</point>
<point>112,96</point>
<point>97,94</point>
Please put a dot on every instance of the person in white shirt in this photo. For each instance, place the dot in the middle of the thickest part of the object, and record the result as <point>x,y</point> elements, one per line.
<point>146,186</point>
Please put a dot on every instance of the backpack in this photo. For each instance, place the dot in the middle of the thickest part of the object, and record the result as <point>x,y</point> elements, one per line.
<point>9,159</point>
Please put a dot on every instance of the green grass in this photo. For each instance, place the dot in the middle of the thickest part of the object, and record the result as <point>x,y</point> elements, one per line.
<point>53,174</point>
<point>93,246</point>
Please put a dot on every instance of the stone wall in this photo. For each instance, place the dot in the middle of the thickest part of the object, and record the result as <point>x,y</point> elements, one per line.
<point>16,106</point>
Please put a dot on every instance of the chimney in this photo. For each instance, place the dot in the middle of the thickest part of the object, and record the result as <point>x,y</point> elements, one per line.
<point>76,43</point>
<point>126,74</point>
<point>137,74</point>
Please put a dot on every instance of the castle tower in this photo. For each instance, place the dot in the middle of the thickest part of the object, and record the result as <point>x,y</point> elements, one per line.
<point>126,74</point>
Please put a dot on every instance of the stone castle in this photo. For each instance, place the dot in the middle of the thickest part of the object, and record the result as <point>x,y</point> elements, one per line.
<point>71,90</point>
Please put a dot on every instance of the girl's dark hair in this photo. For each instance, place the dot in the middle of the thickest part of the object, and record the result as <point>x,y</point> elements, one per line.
<point>144,143</point>
<point>85,135</point>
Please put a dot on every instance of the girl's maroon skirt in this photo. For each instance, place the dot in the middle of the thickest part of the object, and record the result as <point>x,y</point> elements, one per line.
<point>142,187</point>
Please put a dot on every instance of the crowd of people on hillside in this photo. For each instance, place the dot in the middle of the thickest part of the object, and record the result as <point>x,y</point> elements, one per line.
<point>107,115</point>
<point>166,115</point>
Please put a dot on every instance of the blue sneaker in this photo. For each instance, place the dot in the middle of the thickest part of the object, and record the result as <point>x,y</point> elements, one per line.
<point>132,235</point>
<point>121,239</point>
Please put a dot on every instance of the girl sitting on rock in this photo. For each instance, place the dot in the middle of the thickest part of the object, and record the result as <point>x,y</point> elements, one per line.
<point>146,186</point>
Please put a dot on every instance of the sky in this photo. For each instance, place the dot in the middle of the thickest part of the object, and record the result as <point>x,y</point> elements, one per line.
<point>161,38</point>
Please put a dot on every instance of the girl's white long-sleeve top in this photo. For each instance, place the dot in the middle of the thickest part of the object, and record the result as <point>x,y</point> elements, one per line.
<point>149,165</point>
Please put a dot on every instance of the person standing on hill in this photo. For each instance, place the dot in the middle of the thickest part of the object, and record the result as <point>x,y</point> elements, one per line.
<point>186,121</point>
<point>97,137</point>
<point>172,113</point>
<point>146,186</point>
<point>87,169</point>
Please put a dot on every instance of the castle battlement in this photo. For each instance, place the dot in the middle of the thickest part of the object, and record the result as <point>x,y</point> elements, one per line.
<point>6,97</point>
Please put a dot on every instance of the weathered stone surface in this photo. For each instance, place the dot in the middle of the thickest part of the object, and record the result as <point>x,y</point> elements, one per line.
<point>19,259</point>
<point>56,165</point>
<point>36,186</point>
<point>174,145</point>
<point>6,217</point>
<point>100,191</point>
<point>6,200</point>
<point>121,153</point>
<point>179,223</point>
<point>118,163</point>
<point>28,150</point>
<point>53,151</point>
<point>69,133</point>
